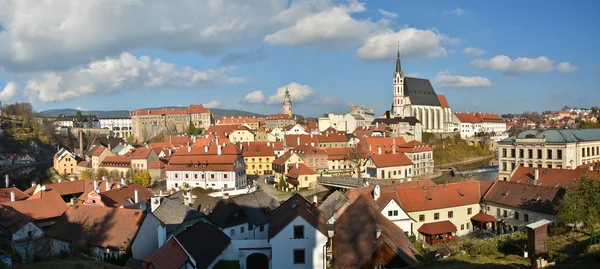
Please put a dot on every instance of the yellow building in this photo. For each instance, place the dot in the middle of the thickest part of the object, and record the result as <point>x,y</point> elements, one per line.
<point>300,177</point>
<point>241,134</point>
<point>281,165</point>
<point>258,157</point>
<point>65,162</point>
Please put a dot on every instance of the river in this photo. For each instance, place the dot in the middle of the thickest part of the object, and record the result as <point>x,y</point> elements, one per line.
<point>487,176</point>
<point>22,178</point>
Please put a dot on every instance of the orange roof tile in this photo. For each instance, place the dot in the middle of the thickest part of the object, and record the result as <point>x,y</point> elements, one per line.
<point>278,116</point>
<point>549,177</point>
<point>191,109</point>
<point>241,120</point>
<point>116,161</point>
<point>299,169</point>
<point>139,153</point>
<point>390,160</point>
<point>467,117</point>
<point>5,194</point>
<point>99,151</point>
<point>252,149</point>
<point>443,101</point>
<point>44,207</point>
<point>413,146</point>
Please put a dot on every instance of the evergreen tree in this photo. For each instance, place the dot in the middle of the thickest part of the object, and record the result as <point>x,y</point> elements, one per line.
<point>191,129</point>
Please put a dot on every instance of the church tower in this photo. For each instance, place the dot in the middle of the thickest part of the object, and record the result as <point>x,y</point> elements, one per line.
<point>398,105</point>
<point>287,103</point>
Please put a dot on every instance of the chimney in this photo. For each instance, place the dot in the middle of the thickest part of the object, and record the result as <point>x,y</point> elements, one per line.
<point>268,144</point>
<point>81,144</point>
<point>135,193</point>
<point>189,197</point>
<point>315,201</point>
<point>394,145</point>
<point>95,185</point>
<point>591,168</point>
<point>123,182</point>
<point>298,139</point>
<point>6,181</point>
<point>162,235</point>
<point>312,144</point>
<point>107,186</point>
<point>189,149</point>
<point>378,150</point>
<point>226,195</point>
<point>205,149</point>
<point>104,178</point>
<point>297,165</point>
<point>109,147</point>
<point>376,192</point>
<point>377,124</point>
<point>377,233</point>
<point>537,174</point>
<point>218,149</point>
<point>12,196</point>
<point>59,181</point>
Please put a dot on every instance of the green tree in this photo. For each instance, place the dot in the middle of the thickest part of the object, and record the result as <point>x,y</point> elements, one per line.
<point>87,174</point>
<point>129,175</point>
<point>102,172</point>
<point>78,117</point>
<point>191,129</point>
<point>282,182</point>
<point>581,203</point>
<point>129,138</point>
<point>142,177</point>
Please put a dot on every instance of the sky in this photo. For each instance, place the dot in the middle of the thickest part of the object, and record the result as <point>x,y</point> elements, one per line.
<point>492,56</point>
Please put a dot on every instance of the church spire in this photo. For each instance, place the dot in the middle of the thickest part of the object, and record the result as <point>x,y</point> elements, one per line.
<point>398,65</point>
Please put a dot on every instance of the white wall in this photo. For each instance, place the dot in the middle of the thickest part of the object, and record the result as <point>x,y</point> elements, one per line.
<point>283,246</point>
<point>146,240</point>
<point>510,212</point>
<point>233,179</point>
<point>402,220</point>
<point>27,249</point>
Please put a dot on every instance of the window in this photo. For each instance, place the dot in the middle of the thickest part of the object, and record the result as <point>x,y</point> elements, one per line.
<point>468,225</point>
<point>195,176</point>
<point>250,227</point>
<point>469,211</point>
<point>390,213</point>
<point>559,154</point>
<point>232,232</point>
<point>298,231</point>
<point>395,212</point>
<point>212,176</point>
<point>242,229</point>
<point>488,209</point>
<point>305,178</point>
<point>450,214</point>
<point>530,153</point>
<point>462,227</point>
<point>224,175</point>
<point>497,211</point>
<point>550,166</point>
<point>504,153</point>
<point>521,153</point>
<point>549,154</point>
<point>187,176</point>
<point>526,217</point>
<point>262,228</point>
<point>436,216</point>
<point>504,166</point>
<point>539,153</point>
<point>421,218</point>
<point>516,215</point>
<point>176,176</point>
<point>512,153</point>
<point>299,256</point>
<point>505,214</point>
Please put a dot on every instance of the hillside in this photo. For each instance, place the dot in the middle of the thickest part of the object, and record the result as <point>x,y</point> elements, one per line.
<point>217,112</point>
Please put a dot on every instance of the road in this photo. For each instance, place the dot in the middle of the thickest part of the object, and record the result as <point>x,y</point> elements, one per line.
<point>281,195</point>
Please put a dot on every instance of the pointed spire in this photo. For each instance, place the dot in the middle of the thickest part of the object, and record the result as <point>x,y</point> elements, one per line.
<point>398,65</point>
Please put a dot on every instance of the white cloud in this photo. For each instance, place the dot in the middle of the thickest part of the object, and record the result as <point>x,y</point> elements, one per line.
<point>80,108</point>
<point>298,92</point>
<point>414,43</point>
<point>566,67</point>
<point>255,97</point>
<point>474,51</point>
<point>388,14</point>
<point>518,66</point>
<point>212,104</point>
<point>126,72</point>
<point>9,91</point>
<point>446,80</point>
<point>457,12</point>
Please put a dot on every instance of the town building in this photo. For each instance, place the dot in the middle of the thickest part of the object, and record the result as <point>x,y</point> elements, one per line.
<point>98,156</point>
<point>121,165</point>
<point>276,134</point>
<point>253,123</point>
<point>87,121</point>
<point>216,166</point>
<point>24,237</point>
<point>279,120</point>
<point>65,162</point>
<point>147,123</point>
<point>478,124</point>
<point>342,122</point>
<point>562,149</point>
<point>366,113</point>
<point>258,157</point>
<point>296,130</point>
<point>333,207</point>
<point>141,158</point>
<point>43,207</point>
<point>415,97</point>
<point>287,103</point>
<point>300,176</point>
<point>364,238</point>
<point>420,154</point>
<point>409,128</point>
<point>118,126</point>
<point>241,134</point>
<point>389,166</point>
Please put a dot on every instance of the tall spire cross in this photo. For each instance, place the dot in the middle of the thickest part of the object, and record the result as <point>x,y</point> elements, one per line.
<point>398,65</point>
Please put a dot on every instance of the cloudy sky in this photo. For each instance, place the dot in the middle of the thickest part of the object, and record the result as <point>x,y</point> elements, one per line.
<point>498,56</point>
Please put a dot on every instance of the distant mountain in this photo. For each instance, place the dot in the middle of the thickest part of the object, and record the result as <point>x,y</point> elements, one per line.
<point>217,112</point>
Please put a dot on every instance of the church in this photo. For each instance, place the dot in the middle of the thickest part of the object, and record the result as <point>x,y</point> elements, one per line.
<point>415,97</point>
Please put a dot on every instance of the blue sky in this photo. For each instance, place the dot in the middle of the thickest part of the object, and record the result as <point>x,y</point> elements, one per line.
<point>495,56</point>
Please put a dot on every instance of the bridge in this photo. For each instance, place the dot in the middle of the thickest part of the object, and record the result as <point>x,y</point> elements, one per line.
<point>350,182</point>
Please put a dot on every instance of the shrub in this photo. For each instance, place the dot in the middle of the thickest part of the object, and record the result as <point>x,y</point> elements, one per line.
<point>200,190</point>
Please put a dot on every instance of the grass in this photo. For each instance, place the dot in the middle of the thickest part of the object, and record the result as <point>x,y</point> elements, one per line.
<point>71,264</point>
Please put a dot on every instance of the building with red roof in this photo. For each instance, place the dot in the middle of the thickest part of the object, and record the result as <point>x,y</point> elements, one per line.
<point>253,123</point>
<point>279,120</point>
<point>300,176</point>
<point>147,123</point>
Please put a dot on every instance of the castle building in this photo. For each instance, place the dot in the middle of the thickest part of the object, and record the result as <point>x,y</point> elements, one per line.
<point>148,123</point>
<point>415,97</point>
<point>287,103</point>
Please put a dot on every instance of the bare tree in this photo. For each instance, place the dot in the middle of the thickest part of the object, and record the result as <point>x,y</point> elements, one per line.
<point>356,157</point>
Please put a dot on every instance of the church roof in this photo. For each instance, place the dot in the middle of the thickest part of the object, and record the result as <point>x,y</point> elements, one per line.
<point>420,92</point>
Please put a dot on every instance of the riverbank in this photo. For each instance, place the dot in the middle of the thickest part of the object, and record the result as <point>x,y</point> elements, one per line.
<point>469,161</point>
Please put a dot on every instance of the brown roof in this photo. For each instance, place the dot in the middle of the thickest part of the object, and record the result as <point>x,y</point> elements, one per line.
<point>241,120</point>
<point>467,117</point>
<point>178,140</point>
<point>526,196</point>
<point>139,153</point>
<point>300,170</point>
<point>158,164</point>
<point>385,143</point>
<point>116,161</point>
<point>309,150</point>
<point>44,207</point>
<point>104,227</point>
<point>354,193</point>
<point>204,242</point>
<point>98,151</point>
<point>170,255</point>
<point>5,194</point>
<point>122,197</point>
<point>391,160</point>
<point>435,228</point>
<point>254,149</point>
<point>356,241</point>
<point>413,147</point>
<point>296,206</point>
<point>283,158</point>
<point>222,131</point>
<point>11,219</point>
<point>161,145</point>
<point>191,109</point>
<point>483,217</point>
<point>278,116</point>
<point>83,164</point>
<point>549,177</point>
<point>440,196</point>
<point>443,101</point>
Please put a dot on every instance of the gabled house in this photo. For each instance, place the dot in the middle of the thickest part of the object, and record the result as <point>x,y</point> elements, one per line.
<point>98,156</point>
<point>241,134</point>
<point>65,162</point>
<point>298,235</point>
<point>12,194</point>
<point>389,166</point>
<point>364,238</point>
<point>108,232</point>
<point>258,157</point>
<point>141,158</point>
<point>276,134</point>
<point>174,214</point>
<point>26,238</point>
<point>119,164</point>
<point>300,176</point>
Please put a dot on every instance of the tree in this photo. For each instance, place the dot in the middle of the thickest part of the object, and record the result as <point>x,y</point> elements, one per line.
<point>102,172</point>
<point>581,203</point>
<point>129,175</point>
<point>78,117</point>
<point>142,177</point>
<point>129,138</point>
<point>114,174</point>
<point>191,129</point>
<point>87,174</point>
<point>282,182</point>
<point>355,157</point>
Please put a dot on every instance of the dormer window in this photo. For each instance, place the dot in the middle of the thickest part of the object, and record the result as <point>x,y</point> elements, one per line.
<point>298,231</point>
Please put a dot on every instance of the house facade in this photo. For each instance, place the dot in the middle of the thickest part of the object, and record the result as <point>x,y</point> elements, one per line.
<point>65,162</point>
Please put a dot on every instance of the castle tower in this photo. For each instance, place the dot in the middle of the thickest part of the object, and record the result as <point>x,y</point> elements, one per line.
<point>287,103</point>
<point>398,105</point>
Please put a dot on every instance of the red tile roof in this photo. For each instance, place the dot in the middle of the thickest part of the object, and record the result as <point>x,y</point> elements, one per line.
<point>353,194</point>
<point>104,227</point>
<point>385,143</point>
<point>170,255</point>
<point>116,161</point>
<point>390,160</point>
<point>158,164</point>
<point>526,196</point>
<point>435,228</point>
<point>549,177</point>
<point>489,117</point>
<point>98,151</point>
<point>483,217</point>
<point>278,116</point>
<point>355,236</point>
<point>467,117</point>
<point>299,170</point>
<point>5,194</point>
<point>253,149</point>
<point>308,150</point>
<point>191,109</point>
<point>178,140</point>
<point>414,147</point>
<point>222,131</point>
<point>44,207</point>
<point>296,206</point>
<point>139,153</point>
<point>83,164</point>
<point>121,197</point>
<point>241,120</point>
<point>443,101</point>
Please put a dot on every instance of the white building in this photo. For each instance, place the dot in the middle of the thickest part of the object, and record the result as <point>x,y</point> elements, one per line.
<point>343,123</point>
<point>473,124</point>
<point>296,130</point>
<point>121,127</point>
<point>215,166</point>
